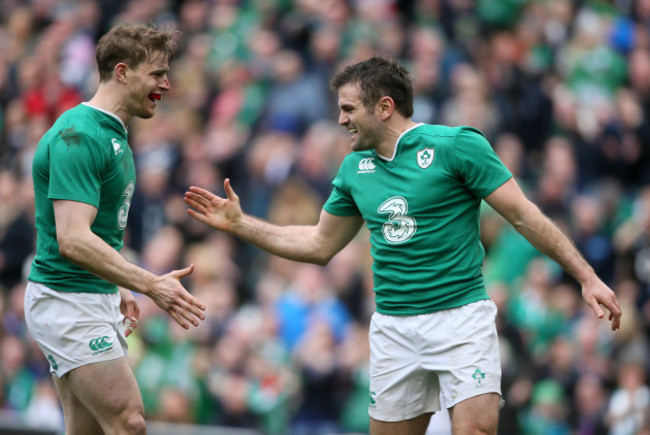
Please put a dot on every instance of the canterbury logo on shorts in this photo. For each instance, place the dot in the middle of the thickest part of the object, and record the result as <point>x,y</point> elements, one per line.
<point>100,344</point>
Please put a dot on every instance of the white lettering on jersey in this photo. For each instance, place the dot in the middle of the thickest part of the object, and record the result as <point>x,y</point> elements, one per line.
<point>366,166</point>
<point>400,227</point>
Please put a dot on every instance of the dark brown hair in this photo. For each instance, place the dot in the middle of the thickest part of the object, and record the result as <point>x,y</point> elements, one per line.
<point>378,77</point>
<point>133,45</point>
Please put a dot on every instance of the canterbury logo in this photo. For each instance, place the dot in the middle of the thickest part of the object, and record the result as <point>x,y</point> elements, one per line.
<point>366,166</point>
<point>100,343</point>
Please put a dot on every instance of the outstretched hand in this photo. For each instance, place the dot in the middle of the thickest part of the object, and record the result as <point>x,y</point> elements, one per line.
<point>599,294</point>
<point>170,295</point>
<point>219,213</point>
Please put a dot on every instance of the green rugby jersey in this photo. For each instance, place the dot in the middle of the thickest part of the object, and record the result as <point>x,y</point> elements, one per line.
<point>422,210</point>
<point>84,157</point>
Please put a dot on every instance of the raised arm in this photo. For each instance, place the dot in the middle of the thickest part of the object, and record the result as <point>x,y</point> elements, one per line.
<point>309,244</point>
<point>78,244</point>
<point>538,229</point>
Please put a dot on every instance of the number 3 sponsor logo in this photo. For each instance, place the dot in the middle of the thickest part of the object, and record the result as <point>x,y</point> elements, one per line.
<point>400,227</point>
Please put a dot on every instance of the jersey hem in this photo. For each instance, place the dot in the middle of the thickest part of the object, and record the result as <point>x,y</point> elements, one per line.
<point>415,312</point>
<point>62,197</point>
<point>60,290</point>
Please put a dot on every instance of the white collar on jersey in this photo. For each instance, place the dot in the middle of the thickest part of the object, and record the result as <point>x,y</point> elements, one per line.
<point>108,113</point>
<point>397,143</point>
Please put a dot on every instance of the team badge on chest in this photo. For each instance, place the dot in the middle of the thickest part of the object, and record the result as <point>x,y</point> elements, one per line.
<point>425,158</point>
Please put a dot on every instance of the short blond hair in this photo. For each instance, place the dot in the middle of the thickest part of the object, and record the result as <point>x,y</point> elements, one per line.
<point>133,45</point>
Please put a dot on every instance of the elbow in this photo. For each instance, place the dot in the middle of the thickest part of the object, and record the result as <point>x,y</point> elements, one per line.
<point>318,258</point>
<point>517,224</point>
<point>520,225</point>
<point>521,219</point>
<point>322,260</point>
<point>67,248</point>
<point>318,252</point>
<point>321,257</point>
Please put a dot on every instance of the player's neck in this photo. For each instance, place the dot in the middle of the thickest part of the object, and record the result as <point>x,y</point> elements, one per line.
<point>394,129</point>
<point>110,99</point>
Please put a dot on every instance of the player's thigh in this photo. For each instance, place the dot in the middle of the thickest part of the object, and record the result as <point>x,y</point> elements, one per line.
<point>400,388</point>
<point>476,415</point>
<point>109,391</point>
<point>472,366</point>
<point>78,420</point>
<point>414,426</point>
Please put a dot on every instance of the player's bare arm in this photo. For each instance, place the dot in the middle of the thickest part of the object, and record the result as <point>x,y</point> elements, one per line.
<point>311,244</point>
<point>78,244</point>
<point>538,229</point>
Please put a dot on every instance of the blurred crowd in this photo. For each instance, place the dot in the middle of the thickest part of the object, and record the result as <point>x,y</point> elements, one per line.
<point>561,88</point>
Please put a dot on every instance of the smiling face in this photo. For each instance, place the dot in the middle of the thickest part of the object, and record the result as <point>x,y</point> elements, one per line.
<point>362,122</point>
<point>146,84</point>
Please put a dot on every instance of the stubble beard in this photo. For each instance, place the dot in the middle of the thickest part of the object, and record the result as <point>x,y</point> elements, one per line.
<point>146,112</point>
<point>363,143</point>
<point>141,106</point>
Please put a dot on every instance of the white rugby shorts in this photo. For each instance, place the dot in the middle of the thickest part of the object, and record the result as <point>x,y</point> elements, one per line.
<point>415,361</point>
<point>74,329</point>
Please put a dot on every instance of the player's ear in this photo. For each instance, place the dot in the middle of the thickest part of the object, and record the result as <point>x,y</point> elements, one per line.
<point>386,107</point>
<point>120,72</point>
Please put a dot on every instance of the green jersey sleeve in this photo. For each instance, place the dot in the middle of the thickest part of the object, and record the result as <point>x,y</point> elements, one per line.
<point>77,162</point>
<point>477,164</point>
<point>340,201</point>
